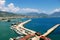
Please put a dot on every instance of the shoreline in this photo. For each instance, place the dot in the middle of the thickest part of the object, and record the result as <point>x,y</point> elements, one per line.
<point>7,18</point>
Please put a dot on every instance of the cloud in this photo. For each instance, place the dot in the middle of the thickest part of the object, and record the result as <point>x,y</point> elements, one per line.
<point>26,10</point>
<point>2,2</point>
<point>15,9</point>
<point>12,8</point>
<point>56,10</point>
<point>3,9</point>
<point>2,5</point>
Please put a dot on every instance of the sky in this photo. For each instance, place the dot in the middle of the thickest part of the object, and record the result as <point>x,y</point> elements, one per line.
<point>25,6</point>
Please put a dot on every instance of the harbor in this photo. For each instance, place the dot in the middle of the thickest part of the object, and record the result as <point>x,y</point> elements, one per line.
<point>29,19</point>
<point>41,24</point>
<point>20,29</point>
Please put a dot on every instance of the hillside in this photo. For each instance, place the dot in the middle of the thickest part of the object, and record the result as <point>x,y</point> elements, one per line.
<point>55,14</point>
<point>35,14</point>
<point>31,14</point>
<point>8,14</point>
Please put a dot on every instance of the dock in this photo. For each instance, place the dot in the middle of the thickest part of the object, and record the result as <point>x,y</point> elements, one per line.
<point>51,30</point>
<point>20,29</point>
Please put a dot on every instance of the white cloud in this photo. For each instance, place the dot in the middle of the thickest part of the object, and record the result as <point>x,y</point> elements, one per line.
<point>4,9</point>
<point>11,5</point>
<point>56,10</point>
<point>26,10</point>
<point>12,8</point>
<point>2,2</point>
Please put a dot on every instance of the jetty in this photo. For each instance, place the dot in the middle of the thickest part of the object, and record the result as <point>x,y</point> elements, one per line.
<point>51,30</point>
<point>20,29</point>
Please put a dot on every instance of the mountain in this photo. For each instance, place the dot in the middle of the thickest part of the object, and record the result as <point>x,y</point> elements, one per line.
<point>43,14</point>
<point>36,14</point>
<point>7,14</point>
<point>2,14</point>
<point>55,14</point>
<point>31,14</point>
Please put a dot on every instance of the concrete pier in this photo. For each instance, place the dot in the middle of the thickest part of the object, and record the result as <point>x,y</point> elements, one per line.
<point>51,29</point>
<point>20,29</point>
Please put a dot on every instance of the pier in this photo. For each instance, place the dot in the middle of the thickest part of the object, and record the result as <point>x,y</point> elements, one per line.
<point>51,30</point>
<point>20,29</point>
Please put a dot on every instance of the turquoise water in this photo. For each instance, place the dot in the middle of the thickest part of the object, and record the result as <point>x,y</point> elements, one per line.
<point>37,24</point>
<point>5,31</point>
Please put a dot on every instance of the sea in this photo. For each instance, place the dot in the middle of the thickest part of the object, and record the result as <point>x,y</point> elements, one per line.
<point>40,25</point>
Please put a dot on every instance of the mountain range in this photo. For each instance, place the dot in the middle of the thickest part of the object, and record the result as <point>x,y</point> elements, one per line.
<point>8,14</point>
<point>55,14</point>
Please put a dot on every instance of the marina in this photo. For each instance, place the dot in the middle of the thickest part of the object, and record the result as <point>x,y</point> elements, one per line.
<point>29,19</point>
<point>42,24</point>
<point>20,29</point>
